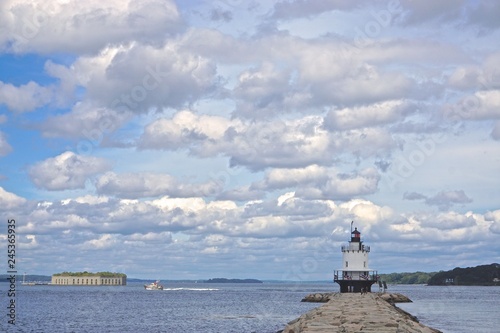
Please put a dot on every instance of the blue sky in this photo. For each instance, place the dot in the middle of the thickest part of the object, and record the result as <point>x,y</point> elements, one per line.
<point>239,138</point>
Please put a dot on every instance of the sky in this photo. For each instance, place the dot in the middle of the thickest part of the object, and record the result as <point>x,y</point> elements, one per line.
<point>239,138</point>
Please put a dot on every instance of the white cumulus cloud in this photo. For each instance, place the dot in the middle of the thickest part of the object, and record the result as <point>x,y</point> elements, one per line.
<point>66,171</point>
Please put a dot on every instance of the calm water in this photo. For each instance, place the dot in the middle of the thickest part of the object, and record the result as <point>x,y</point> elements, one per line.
<point>454,309</point>
<point>221,308</point>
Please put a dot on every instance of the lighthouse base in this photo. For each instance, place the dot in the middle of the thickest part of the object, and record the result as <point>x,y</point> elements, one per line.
<point>355,286</point>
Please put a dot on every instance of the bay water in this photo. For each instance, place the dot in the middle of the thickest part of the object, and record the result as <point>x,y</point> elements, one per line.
<point>225,308</point>
<point>454,309</point>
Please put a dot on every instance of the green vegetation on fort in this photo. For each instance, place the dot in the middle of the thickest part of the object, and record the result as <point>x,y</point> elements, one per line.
<point>85,273</point>
<point>484,275</point>
<point>407,278</point>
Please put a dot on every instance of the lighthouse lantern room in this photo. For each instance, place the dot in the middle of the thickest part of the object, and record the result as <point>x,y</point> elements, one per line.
<point>355,274</point>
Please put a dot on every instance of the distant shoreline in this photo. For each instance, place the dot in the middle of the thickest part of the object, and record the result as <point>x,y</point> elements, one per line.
<point>224,280</point>
<point>483,275</point>
<point>46,278</point>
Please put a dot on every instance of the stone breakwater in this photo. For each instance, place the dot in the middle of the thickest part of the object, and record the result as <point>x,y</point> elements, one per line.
<point>325,297</point>
<point>353,313</point>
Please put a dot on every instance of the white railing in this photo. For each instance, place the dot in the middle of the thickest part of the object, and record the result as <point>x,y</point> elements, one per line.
<point>345,248</point>
<point>355,276</point>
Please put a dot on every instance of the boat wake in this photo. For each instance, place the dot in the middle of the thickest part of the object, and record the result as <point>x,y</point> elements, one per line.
<point>192,289</point>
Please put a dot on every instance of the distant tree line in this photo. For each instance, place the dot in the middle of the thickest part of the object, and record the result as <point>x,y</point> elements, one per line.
<point>407,278</point>
<point>85,273</point>
<point>484,275</point>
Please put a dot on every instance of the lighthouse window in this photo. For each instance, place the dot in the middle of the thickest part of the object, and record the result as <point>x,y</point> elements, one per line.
<point>364,263</point>
<point>346,264</point>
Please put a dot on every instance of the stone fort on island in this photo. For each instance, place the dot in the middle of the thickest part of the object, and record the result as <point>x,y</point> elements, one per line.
<point>89,279</point>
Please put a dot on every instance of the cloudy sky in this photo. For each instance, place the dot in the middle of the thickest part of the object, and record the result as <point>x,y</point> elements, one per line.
<point>239,138</point>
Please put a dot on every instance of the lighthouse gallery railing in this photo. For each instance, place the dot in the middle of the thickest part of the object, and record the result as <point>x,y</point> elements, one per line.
<point>346,248</point>
<point>355,276</point>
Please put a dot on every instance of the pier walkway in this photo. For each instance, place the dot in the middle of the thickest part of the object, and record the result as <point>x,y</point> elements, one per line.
<point>353,313</point>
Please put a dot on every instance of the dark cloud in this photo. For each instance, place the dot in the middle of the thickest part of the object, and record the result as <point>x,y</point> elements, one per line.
<point>485,14</point>
<point>443,200</point>
<point>219,14</point>
<point>286,10</point>
<point>419,12</point>
<point>382,165</point>
<point>413,196</point>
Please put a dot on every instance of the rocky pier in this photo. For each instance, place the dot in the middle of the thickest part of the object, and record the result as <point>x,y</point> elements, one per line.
<point>355,312</point>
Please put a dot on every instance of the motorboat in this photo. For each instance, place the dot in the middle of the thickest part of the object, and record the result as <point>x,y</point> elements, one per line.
<point>153,286</point>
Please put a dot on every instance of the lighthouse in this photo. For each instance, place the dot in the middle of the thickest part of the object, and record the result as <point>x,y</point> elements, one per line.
<point>355,274</point>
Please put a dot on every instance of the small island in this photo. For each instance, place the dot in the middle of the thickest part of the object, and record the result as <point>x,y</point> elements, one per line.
<point>224,280</point>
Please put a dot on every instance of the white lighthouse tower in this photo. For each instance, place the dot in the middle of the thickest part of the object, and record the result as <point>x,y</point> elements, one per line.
<point>355,274</point>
